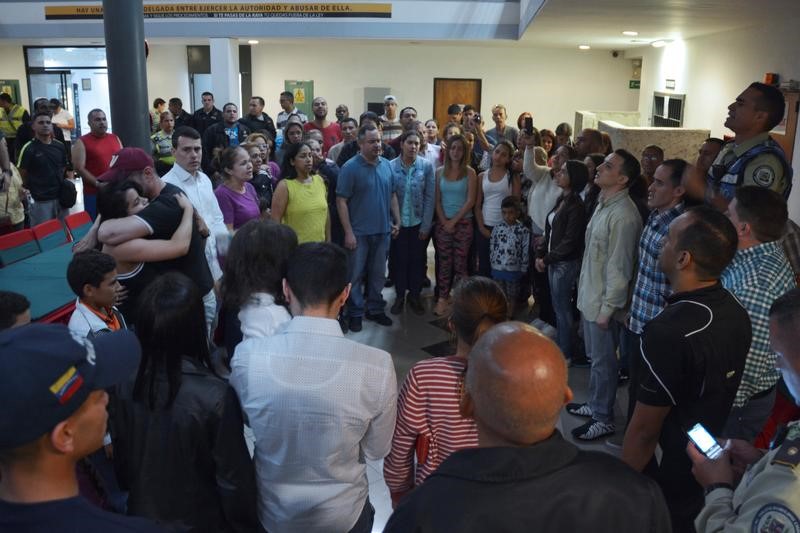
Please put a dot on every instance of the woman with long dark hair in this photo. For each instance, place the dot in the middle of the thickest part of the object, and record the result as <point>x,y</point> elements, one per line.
<point>300,200</point>
<point>179,446</point>
<point>252,292</point>
<point>493,186</point>
<point>560,252</point>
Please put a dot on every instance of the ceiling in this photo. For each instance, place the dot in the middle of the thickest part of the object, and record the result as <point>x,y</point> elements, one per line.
<point>600,23</point>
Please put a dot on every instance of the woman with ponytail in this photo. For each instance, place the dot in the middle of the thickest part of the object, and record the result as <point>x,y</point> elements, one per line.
<point>428,417</point>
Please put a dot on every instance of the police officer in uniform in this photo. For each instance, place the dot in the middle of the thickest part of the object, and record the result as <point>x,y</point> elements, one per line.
<point>753,157</point>
<point>768,495</point>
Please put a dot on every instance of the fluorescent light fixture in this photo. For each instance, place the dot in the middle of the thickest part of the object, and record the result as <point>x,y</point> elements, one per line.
<point>584,47</point>
<point>630,33</point>
<point>658,44</point>
<point>69,49</point>
<point>252,41</point>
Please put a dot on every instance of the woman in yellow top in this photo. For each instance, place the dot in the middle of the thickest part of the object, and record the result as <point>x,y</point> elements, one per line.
<point>300,199</point>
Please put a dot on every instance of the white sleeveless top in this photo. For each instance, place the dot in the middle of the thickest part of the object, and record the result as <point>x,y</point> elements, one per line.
<point>493,195</point>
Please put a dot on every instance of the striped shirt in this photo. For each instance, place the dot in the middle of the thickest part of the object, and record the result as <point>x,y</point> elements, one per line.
<point>652,285</point>
<point>427,409</point>
<point>757,276</point>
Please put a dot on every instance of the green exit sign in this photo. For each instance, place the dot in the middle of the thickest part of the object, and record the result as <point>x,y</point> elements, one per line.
<point>634,84</point>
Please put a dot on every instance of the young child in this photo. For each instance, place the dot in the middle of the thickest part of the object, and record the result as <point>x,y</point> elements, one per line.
<point>508,250</point>
<point>92,276</point>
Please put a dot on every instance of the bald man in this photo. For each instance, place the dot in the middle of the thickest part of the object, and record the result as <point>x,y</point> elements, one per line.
<point>524,476</point>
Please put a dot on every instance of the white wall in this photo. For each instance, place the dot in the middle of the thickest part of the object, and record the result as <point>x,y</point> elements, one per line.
<point>12,67</point>
<point>550,83</point>
<point>714,69</point>
<point>168,74</point>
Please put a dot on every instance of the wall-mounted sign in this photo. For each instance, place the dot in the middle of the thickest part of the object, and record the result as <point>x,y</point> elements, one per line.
<point>303,92</point>
<point>254,10</point>
<point>11,88</point>
<point>635,84</point>
<point>670,84</point>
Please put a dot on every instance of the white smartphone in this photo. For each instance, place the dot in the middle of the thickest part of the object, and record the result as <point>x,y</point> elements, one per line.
<point>704,441</point>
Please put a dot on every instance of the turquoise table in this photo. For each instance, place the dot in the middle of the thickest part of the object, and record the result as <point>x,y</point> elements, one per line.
<point>42,279</point>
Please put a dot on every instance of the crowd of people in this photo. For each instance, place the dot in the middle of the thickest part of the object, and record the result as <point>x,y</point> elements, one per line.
<point>274,239</point>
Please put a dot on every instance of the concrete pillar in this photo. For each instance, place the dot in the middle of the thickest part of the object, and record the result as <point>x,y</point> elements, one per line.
<point>225,72</point>
<point>127,74</point>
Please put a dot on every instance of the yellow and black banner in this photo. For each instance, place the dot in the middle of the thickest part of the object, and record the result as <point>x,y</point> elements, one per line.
<point>231,11</point>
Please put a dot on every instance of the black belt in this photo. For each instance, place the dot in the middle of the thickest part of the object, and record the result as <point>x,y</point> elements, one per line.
<point>763,393</point>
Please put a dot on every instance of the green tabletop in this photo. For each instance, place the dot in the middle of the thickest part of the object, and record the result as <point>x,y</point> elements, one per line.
<point>42,279</point>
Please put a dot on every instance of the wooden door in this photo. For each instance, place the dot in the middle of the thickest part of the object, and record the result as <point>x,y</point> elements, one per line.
<point>785,131</point>
<point>448,91</point>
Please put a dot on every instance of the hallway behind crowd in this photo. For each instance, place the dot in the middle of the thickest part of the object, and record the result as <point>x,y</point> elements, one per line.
<point>367,322</point>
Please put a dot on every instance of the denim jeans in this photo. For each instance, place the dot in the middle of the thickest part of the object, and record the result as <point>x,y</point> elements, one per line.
<point>562,276</point>
<point>408,258</point>
<point>602,344</point>
<point>368,258</point>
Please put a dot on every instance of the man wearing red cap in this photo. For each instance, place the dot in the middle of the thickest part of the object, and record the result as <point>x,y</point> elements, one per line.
<point>159,220</point>
<point>54,414</point>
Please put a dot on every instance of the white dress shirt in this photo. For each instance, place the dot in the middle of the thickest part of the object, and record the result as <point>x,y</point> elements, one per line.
<point>198,190</point>
<point>318,404</point>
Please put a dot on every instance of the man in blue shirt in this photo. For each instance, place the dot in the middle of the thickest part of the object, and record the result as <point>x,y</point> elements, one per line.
<point>367,206</point>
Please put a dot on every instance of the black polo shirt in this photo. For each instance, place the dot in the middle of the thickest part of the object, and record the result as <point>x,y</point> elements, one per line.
<point>163,216</point>
<point>693,356</point>
<point>45,164</point>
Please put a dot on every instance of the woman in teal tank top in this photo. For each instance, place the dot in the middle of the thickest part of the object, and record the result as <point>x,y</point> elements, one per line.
<point>456,189</point>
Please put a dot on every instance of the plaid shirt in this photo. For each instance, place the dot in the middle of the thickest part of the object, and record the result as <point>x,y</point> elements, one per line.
<point>652,285</point>
<point>757,276</point>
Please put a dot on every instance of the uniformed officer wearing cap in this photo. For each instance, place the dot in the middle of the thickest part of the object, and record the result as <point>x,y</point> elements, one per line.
<point>767,497</point>
<point>54,414</point>
<point>753,157</point>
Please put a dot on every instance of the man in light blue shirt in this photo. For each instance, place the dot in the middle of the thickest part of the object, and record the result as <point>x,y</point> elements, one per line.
<point>367,205</point>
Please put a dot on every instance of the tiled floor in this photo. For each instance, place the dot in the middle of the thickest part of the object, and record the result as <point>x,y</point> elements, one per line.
<point>404,339</point>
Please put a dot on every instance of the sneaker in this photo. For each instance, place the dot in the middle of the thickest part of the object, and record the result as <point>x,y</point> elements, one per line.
<point>379,318</point>
<point>416,305</point>
<point>579,409</point>
<point>442,307</point>
<point>397,306</point>
<point>593,429</point>
<point>355,324</point>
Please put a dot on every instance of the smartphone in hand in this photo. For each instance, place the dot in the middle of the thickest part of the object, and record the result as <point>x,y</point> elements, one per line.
<point>704,441</point>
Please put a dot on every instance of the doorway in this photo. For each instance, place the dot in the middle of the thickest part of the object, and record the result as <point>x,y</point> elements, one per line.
<point>76,75</point>
<point>447,91</point>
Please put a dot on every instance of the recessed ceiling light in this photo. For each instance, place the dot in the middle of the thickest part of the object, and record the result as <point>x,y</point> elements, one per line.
<point>584,47</point>
<point>630,33</point>
<point>252,41</point>
<point>658,44</point>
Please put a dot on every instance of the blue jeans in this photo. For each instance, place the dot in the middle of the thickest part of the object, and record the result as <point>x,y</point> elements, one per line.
<point>562,276</point>
<point>602,344</point>
<point>368,258</point>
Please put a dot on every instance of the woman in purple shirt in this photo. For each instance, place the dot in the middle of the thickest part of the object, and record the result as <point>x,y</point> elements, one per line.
<point>237,198</point>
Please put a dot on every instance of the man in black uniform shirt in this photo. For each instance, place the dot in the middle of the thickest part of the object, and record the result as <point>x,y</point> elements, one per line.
<point>256,119</point>
<point>206,115</point>
<point>693,356</point>
<point>182,118</point>
<point>524,476</point>
<point>43,165</point>
<point>158,220</point>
